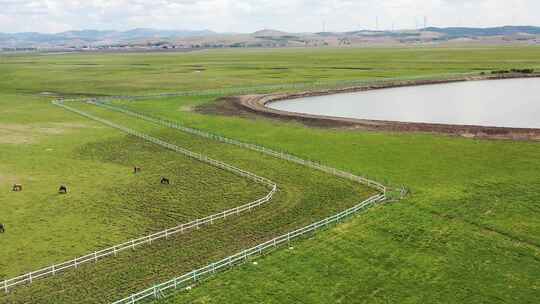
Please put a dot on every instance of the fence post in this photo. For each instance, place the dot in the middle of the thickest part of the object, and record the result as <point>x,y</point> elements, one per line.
<point>313,164</point>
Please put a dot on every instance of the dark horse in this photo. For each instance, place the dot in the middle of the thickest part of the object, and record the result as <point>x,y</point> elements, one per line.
<point>165,181</point>
<point>136,169</point>
<point>17,187</point>
<point>63,190</point>
<point>2,228</point>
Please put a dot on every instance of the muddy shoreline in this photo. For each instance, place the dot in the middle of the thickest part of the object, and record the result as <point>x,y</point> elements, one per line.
<point>255,105</point>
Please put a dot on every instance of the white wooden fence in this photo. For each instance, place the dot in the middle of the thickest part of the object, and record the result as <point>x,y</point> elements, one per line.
<point>258,148</point>
<point>185,280</point>
<point>232,260</point>
<point>298,86</point>
<point>157,291</point>
<point>29,277</point>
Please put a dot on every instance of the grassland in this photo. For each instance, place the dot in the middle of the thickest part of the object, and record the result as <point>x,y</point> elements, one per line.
<point>132,74</point>
<point>304,196</point>
<point>107,203</point>
<point>469,232</point>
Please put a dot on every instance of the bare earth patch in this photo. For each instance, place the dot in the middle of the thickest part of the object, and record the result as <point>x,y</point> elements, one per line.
<point>255,105</point>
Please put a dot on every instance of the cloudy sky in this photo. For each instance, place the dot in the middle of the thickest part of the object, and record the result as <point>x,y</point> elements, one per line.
<point>252,15</point>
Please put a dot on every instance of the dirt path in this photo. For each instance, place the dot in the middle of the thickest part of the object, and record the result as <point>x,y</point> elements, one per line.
<point>255,105</point>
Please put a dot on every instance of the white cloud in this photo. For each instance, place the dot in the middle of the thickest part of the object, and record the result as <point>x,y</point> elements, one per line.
<point>251,15</point>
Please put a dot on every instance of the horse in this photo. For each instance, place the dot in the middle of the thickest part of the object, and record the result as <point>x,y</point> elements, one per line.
<point>63,189</point>
<point>2,228</point>
<point>165,181</point>
<point>17,187</point>
<point>136,170</point>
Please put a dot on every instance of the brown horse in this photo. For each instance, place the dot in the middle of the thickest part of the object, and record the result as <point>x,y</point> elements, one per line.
<point>63,189</point>
<point>136,170</point>
<point>165,181</point>
<point>2,228</point>
<point>17,187</point>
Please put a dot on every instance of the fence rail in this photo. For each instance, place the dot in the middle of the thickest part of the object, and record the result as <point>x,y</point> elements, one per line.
<point>156,291</point>
<point>284,86</point>
<point>132,244</point>
<point>254,147</point>
<point>183,281</point>
<point>297,86</point>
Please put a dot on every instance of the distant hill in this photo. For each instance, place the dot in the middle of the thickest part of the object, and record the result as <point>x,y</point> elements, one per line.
<point>482,32</point>
<point>269,32</point>
<point>147,38</point>
<point>94,37</point>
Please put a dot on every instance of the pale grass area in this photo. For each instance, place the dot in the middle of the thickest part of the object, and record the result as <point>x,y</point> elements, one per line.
<point>7,179</point>
<point>32,133</point>
<point>186,108</point>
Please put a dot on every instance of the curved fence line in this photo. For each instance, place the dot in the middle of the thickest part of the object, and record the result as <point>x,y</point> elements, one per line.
<point>52,270</point>
<point>254,147</point>
<point>197,156</point>
<point>195,224</point>
<point>185,280</point>
<point>281,86</point>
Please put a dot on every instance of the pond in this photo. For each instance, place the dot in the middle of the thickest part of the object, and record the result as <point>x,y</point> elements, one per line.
<point>511,103</point>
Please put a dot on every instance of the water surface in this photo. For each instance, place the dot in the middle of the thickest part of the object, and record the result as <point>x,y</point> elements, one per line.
<point>498,103</point>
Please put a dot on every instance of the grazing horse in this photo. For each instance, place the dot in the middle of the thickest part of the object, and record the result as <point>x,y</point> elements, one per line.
<point>165,181</point>
<point>136,169</point>
<point>63,189</point>
<point>2,228</point>
<point>17,187</point>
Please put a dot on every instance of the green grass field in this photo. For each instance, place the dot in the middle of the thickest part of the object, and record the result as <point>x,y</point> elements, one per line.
<point>107,203</point>
<point>469,231</point>
<point>102,74</point>
<point>304,196</point>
